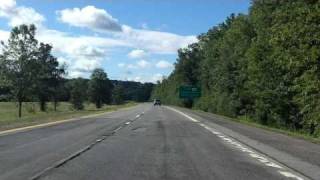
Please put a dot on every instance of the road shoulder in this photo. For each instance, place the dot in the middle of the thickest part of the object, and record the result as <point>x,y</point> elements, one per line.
<point>297,154</point>
<point>28,127</point>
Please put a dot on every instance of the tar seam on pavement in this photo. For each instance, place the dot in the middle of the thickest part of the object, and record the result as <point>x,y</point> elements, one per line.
<point>83,150</point>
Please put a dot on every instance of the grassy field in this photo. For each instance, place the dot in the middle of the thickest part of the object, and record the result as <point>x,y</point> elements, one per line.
<point>31,114</point>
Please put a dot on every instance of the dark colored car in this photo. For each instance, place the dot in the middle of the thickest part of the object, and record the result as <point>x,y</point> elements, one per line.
<point>157,102</point>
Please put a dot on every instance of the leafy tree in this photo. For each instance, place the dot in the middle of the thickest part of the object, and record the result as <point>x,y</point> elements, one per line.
<point>18,62</point>
<point>56,83</point>
<point>48,77</point>
<point>78,89</point>
<point>264,65</point>
<point>100,88</point>
<point>118,94</point>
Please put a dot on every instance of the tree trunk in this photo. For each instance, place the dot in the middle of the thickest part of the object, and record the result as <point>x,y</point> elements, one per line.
<point>20,107</point>
<point>312,128</point>
<point>42,105</point>
<point>98,104</point>
<point>55,103</point>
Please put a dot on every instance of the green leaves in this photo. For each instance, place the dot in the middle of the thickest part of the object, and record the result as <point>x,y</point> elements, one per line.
<point>265,65</point>
<point>99,88</point>
<point>28,67</point>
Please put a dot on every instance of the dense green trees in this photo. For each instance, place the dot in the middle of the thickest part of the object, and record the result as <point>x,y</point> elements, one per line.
<point>264,65</point>
<point>118,95</point>
<point>78,92</point>
<point>49,76</point>
<point>27,67</point>
<point>29,72</point>
<point>135,91</point>
<point>100,88</point>
<point>18,61</point>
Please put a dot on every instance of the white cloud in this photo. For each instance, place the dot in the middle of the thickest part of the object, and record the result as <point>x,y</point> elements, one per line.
<point>4,35</point>
<point>155,41</point>
<point>121,65</point>
<point>7,4</point>
<point>127,66</point>
<point>164,64</point>
<point>138,79</point>
<point>131,66</point>
<point>19,15</point>
<point>143,64</point>
<point>144,78</point>
<point>100,20</point>
<point>84,53</point>
<point>63,60</point>
<point>137,53</point>
<point>157,77</point>
<point>89,17</point>
<point>144,26</point>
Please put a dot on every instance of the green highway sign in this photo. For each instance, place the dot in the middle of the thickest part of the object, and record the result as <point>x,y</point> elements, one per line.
<point>189,92</point>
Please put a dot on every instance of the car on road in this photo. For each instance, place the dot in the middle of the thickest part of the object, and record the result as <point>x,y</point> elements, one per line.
<point>157,102</point>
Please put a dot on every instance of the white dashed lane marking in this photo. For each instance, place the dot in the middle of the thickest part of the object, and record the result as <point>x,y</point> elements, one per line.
<point>253,154</point>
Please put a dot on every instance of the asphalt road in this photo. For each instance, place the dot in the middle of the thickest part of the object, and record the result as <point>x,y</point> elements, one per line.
<point>146,142</point>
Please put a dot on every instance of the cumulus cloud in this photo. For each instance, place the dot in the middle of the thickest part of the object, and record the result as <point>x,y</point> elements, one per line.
<point>154,78</point>
<point>143,64</point>
<point>164,64</point>
<point>138,79</point>
<point>89,17</point>
<point>82,53</point>
<point>143,39</point>
<point>144,26</point>
<point>155,41</point>
<point>18,14</point>
<point>4,35</point>
<point>137,53</point>
<point>121,65</point>
<point>157,77</point>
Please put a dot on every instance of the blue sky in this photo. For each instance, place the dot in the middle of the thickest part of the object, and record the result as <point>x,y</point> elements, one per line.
<point>131,39</point>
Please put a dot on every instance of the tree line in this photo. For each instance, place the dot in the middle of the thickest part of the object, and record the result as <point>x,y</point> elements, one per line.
<point>264,65</point>
<point>29,72</point>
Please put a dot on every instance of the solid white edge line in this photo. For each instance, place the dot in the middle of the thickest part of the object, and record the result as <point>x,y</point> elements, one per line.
<point>244,148</point>
<point>183,114</point>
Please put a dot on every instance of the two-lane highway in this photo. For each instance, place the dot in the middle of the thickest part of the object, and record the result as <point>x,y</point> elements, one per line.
<point>143,142</point>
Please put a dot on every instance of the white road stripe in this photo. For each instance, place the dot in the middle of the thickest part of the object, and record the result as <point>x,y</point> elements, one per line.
<point>264,160</point>
<point>190,118</point>
<point>290,175</point>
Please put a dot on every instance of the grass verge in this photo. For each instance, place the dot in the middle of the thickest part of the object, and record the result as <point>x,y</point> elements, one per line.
<point>247,121</point>
<point>31,115</point>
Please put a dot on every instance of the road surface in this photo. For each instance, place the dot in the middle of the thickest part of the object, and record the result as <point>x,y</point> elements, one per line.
<point>146,142</point>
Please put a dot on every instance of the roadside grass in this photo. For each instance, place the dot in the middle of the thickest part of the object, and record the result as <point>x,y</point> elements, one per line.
<point>286,131</point>
<point>31,115</point>
<point>246,120</point>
